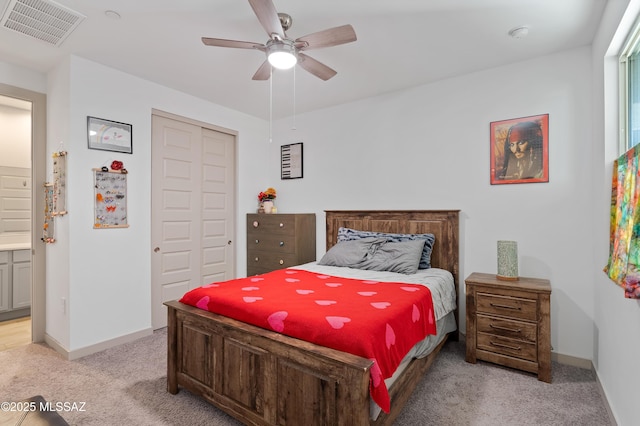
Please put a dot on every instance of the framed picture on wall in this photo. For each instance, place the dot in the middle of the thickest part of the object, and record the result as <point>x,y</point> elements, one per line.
<point>520,150</point>
<point>109,135</point>
<point>291,161</point>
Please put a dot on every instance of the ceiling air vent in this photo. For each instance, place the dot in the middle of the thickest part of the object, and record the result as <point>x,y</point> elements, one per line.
<point>44,20</point>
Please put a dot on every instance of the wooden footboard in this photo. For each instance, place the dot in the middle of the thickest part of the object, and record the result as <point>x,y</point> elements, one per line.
<point>262,377</point>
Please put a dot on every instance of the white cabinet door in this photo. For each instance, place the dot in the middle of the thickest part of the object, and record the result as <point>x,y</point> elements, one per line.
<point>4,288</point>
<point>21,285</point>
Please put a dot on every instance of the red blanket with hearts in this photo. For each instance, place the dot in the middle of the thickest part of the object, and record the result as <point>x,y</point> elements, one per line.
<point>380,321</point>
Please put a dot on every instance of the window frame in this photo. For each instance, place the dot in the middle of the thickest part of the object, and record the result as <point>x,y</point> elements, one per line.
<point>631,47</point>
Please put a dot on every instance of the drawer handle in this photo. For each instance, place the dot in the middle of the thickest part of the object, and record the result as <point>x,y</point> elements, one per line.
<point>500,345</point>
<point>511,330</point>
<point>256,259</point>
<point>257,241</point>
<point>281,225</point>
<point>281,243</point>
<point>281,262</point>
<point>256,224</point>
<point>513,308</point>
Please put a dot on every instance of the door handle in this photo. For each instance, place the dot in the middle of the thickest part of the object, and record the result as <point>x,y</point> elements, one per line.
<point>157,249</point>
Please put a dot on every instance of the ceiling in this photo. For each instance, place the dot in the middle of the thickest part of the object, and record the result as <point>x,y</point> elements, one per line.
<point>401,43</point>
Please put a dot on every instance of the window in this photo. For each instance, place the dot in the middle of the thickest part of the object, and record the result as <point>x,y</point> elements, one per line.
<point>630,92</point>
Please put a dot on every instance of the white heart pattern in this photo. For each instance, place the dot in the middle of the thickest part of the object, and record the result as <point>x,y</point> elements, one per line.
<point>326,302</point>
<point>250,288</point>
<point>410,289</point>
<point>304,291</point>
<point>211,285</point>
<point>333,284</point>
<point>322,277</point>
<point>381,305</point>
<point>251,299</point>
<point>291,280</point>
<point>367,293</point>
<point>256,279</point>
<point>337,322</point>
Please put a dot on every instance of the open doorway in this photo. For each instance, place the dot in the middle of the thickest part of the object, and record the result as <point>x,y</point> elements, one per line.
<point>22,253</point>
<point>15,222</point>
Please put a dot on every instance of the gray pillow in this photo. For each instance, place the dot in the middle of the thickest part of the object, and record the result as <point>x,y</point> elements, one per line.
<point>348,234</point>
<point>377,254</point>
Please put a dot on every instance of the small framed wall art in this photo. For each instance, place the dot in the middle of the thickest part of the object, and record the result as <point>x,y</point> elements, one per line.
<point>520,150</point>
<point>109,135</point>
<point>291,161</point>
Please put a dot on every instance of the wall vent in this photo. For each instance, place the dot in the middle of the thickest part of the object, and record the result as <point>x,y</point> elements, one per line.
<point>44,20</point>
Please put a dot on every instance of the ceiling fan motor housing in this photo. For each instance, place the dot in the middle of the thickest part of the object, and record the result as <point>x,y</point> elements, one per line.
<point>285,20</point>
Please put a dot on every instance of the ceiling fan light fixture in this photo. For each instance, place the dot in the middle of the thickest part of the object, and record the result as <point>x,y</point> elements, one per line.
<point>282,55</point>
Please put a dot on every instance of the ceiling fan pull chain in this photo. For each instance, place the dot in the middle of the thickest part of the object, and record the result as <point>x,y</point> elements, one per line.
<point>294,100</point>
<point>271,106</point>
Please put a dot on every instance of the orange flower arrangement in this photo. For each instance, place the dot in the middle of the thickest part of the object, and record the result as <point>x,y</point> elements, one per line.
<point>267,194</point>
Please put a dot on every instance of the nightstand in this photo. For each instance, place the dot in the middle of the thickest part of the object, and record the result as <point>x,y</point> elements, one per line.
<point>508,323</point>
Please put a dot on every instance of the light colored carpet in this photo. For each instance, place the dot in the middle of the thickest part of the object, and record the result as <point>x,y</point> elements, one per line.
<point>126,385</point>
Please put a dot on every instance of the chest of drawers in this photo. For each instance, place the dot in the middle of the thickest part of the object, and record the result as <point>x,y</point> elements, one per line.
<point>508,323</point>
<point>276,241</point>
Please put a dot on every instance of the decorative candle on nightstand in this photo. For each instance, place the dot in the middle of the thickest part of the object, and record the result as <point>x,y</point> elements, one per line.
<point>507,260</point>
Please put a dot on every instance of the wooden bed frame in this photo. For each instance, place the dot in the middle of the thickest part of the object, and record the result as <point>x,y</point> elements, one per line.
<point>261,377</point>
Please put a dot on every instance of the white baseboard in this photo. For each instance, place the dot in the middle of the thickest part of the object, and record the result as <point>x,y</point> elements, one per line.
<point>572,361</point>
<point>88,350</point>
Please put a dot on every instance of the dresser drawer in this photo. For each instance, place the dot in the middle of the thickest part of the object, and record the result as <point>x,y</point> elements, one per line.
<point>270,260</point>
<point>277,243</point>
<point>277,224</point>
<point>505,346</point>
<point>507,328</point>
<point>512,307</point>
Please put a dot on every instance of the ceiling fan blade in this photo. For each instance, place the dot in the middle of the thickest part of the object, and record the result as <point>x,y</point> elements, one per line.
<point>264,72</point>
<point>268,16</point>
<point>315,67</point>
<point>327,38</point>
<point>220,42</point>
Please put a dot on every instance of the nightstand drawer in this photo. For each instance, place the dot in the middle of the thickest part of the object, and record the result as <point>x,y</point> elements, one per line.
<point>508,328</point>
<point>277,243</point>
<point>506,346</point>
<point>508,306</point>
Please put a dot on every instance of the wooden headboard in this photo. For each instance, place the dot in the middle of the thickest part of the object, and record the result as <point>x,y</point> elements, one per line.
<point>441,223</point>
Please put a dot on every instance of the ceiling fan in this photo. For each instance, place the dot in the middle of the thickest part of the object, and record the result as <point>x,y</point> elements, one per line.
<point>283,52</point>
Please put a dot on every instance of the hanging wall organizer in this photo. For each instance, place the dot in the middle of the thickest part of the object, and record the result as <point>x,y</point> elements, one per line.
<point>59,183</point>
<point>110,198</point>
<point>48,228</point>
<point>55,196</point>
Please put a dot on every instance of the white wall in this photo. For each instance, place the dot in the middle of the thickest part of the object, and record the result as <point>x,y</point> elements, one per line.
<point>15,75</point>
<point>428,148</point>
<point>15,140</point>
<point>617,319</point>
<point>105,274</point>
